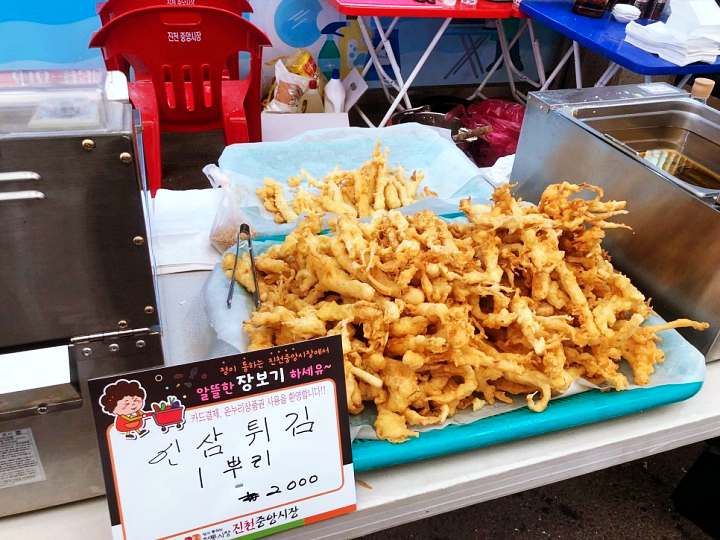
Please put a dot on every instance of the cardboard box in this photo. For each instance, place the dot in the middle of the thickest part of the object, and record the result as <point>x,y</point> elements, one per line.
<point>283,126</point>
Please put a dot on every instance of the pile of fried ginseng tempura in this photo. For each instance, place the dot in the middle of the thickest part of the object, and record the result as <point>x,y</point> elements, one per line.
<point>436,317</point>
<point>372,187</point>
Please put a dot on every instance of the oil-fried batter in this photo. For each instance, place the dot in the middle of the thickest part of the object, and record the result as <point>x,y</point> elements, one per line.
<point>357,193</point>
<point>438,317</point>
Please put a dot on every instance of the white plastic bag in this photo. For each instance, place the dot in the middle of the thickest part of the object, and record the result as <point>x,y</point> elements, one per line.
<point>289,90</point>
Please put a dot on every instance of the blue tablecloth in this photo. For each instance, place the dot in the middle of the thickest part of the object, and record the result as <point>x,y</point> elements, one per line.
<point>605,36</point>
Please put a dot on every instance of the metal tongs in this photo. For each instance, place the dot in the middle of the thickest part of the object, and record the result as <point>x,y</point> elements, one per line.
<point>424,115</point>
<point>245,232</point>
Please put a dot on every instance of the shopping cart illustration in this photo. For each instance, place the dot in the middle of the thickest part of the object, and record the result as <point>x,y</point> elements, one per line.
<point>170,417</point>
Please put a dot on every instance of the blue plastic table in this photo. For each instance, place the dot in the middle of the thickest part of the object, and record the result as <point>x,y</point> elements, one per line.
<point>604,36</point>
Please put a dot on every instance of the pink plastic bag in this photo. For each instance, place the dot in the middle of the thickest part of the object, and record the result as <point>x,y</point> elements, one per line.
<point>505,118</point>
<point>499,108</point>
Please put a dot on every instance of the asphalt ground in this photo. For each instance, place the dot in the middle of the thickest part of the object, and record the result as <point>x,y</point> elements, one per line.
<point>632,500</point>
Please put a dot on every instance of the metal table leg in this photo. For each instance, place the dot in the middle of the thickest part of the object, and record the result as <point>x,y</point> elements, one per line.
<point>377,48</point>
<point>560,65</point>
<point>503,42</point>
<point>364,116</point>
<point>374,61</point>
<point>415,71</point>
<point>578,67</point>
<point>490,72</point>
<point>609,73</point>
<point>384,40</point>
<point>470,53</point>
<point>507,60</point>
<point>684,80</point>
<point>514,71</point>
<point>496,65</point>
<point>574,51</point>
<point>537,54</point>
<point>383,77</point>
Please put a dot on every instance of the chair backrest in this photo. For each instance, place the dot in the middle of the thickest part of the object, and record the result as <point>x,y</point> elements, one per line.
<point>114,8</point>
<point>183,51</point>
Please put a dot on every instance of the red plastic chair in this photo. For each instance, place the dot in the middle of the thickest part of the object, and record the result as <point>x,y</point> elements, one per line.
<point>113,8</point>
<point>179,57</point>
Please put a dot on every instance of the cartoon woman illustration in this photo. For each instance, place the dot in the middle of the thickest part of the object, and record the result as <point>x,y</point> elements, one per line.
<point>125,400</point>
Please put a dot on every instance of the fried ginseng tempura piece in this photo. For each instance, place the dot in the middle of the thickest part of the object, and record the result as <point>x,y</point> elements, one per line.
<point>271,194</point>
<point>437,317</point>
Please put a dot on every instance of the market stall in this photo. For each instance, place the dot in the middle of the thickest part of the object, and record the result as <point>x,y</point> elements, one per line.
<point>400,494</point>
<point>406,493</point>
<point>347,328</point>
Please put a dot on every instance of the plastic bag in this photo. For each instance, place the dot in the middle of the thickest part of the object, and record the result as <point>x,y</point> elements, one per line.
<point>288,90</point>
<point>505,118</point>
<point>228,218</point>
<point>292,79</point>
<point>499,108</point>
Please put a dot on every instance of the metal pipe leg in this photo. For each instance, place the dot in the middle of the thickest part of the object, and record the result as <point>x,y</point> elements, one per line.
<point>608,74</point>
<point>377,48</point>
<point>475,47</point>
<point>578,66</point>
<point>364,117</point>
<point>537,57</point>
<point>391,57</point>
<point>416,70</point>
<point>382,76</point>
<point>506,59</point>
<point>519,74</point>
<point>470,52</point>
<point>467,43</point>
<point>561,64</point>
<point>684,80</point>
<point>537,54</point>
<point>370,62</point>
<point>486,79</point>
<point>500,60</point>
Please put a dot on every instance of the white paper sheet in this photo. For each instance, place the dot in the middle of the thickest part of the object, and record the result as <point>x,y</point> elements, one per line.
<point>180,227</point>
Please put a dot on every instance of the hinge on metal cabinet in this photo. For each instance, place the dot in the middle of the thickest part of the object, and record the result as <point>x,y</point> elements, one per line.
<point>111,336</point>
<point>112,339</point>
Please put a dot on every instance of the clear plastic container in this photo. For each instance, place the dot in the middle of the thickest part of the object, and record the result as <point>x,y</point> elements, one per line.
<point>56,102</point>
<point>702,89</point>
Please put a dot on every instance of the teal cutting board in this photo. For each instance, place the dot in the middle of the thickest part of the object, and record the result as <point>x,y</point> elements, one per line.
<point>576,410</point>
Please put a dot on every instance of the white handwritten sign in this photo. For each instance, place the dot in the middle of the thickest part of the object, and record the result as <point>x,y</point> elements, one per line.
<point>190,463</point>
